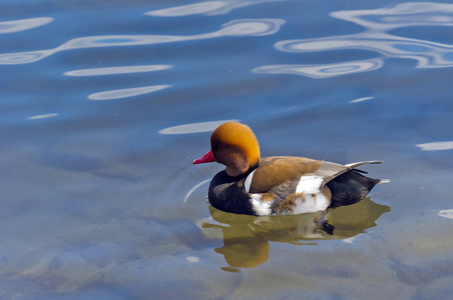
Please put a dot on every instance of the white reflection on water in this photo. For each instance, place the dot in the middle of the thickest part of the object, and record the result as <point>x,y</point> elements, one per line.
<point>322,71</point>
<point>401,15</point>
<point>194,189</point>
<point>44,116</point>
<point>434,146</point>
<point>446,213</point>
<point>117,70</point>
<point>361,99</point>
<point>194,127</point>
<point>125,93</point>
<point>377,24</point>
<point>24,24</point>
<point>250,27</point>
<point>209,8</point>
<point>193,259</point>
<point>242,27</point>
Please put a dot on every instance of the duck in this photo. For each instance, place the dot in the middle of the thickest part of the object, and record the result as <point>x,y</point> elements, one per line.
<point>278,185</point>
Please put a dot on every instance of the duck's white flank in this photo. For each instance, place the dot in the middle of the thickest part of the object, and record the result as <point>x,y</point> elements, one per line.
<point>310,203</point>
<point>261,208</point>
<point>309,185</point>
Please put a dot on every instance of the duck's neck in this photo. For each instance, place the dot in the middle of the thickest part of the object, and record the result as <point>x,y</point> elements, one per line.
<point>235,171</point>
<point>238,161</point>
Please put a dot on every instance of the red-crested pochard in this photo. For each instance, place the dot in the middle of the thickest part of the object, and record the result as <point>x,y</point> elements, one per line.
<point>278,185</point>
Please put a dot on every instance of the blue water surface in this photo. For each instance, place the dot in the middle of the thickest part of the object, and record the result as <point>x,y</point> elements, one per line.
<point>106,103</point>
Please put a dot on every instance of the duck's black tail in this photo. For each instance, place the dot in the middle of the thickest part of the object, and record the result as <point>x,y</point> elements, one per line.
<point>351,187</point>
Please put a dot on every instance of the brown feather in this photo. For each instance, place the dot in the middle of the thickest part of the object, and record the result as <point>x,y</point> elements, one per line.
<point>277,170</point>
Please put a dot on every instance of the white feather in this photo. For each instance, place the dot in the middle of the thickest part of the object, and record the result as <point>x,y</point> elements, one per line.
<point>248,181</point>
<point>313,203</point>
<point>261,208</point>
<point>309,185</point>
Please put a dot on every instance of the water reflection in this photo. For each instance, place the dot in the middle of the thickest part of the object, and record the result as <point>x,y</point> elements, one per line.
<point>400,15</point>
<point>241,27</point>
<point>194,127</point>
<point>44,116</point>
<point>361,99</point>
<point>322,71</point>
<point>375,38</point>
<point>446,213</point>
<point>117,70</point>
<point>246,238</point>
<point>24,24</point>
<point>209,8</point>
<point>125,93</point>
<point>434,146</point>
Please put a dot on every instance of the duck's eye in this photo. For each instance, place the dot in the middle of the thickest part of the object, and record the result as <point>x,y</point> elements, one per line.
<point>220,147</point>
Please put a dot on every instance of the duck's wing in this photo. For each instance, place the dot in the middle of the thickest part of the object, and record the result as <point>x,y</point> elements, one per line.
<point>288,172</point>
<point>329,170</point>
<point>284,171</point>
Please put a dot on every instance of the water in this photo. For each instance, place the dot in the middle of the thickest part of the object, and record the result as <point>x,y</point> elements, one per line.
<point>106,103</point>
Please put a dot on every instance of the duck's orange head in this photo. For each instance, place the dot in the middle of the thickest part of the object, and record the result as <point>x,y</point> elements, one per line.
<point>234,145</point>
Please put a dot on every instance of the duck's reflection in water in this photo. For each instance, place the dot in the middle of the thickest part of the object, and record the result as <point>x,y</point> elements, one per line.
<point>246,238</point>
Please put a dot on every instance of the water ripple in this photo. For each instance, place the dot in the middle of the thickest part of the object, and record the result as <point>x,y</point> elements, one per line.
<point>125,93</point>
<point>427,54</point>
<point>376,38</point>
<point>435,146</point>
<point>241,27</point>
<point>24,24</point>
<point>194,127</point>
<point>322,71</point>
<point>361,99</point>
<point>401,15</point>
<point>446,213</point>
<point>44,116</point>
<point>209,8</point>
<point>251,27</point>
<point>117,70</point>
<point>25,57</point>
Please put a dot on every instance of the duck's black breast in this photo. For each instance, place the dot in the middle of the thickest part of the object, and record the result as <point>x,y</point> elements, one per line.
<point>225,194</point>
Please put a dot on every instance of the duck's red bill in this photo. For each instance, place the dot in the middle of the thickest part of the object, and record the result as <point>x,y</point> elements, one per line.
<point>208,157</point>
